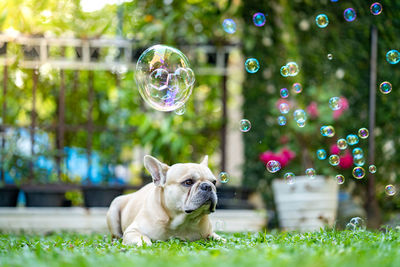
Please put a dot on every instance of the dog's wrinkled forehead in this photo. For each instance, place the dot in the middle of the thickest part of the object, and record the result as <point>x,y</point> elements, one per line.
<point>179,171</point>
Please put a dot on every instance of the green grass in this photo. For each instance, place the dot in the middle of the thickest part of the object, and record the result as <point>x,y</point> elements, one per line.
<point>324,248</point>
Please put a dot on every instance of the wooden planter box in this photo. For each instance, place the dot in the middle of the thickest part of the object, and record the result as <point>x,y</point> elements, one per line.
<point>100,195</point>
<point>9,196</point>
<point>48,195</point>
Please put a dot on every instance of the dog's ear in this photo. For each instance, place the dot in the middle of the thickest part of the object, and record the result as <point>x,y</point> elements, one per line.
<point>205,161</point>
<point>157,169</point>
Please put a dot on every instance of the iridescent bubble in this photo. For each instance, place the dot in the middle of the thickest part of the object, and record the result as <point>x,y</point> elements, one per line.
<point>297,88</point>
<point>252,65</point>
<point>229,26</point>
<point>352,139</point>
<point>372,168</point>
<point>181,110</point>
<point>358,172</point>
<point>224,177</point>
<point>164,77</point>
<point>350,227</point>
<point>334,103</point>
<point>327,131</point>
<point>340,179</point>
<point>330,56</point>
<point>321,154</point>
<point>281,120</point>
<point>284,92</point>
<point>285,71</point>
<point>299,115</point>
<point>359,161</point>
<point>350,14</point>
<point>363,133</point>
<point>385,87</point>
<point>289,178</point>
<point>284,108</point>
<point>301,124</point>
<point>273,166</point>
<point>334,160</point>
<point>390,190</point>
<point>376,8</point>
<point>393,56</point>
<point>245,125</point>
<point>310,172</point>
<point>342,144</point>
<point>358,153</point>
<point>322,20</point>
<point>259,19</point>
<point>293,68</point>
<point>359,223</point>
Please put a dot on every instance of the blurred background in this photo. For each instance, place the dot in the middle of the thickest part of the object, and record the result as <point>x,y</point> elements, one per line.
<point>74,128</point>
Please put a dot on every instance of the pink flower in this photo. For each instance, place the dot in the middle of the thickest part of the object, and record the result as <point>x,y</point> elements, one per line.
<point>288,153</point>
<point>334,149</point>
<point>344,105</point>
<point>312,109</point>
<point>283,157</point>
<point>346,161</point>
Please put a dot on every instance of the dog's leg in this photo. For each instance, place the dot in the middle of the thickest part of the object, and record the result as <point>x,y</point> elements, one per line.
<point>114,217</point>
<point>133,237</point>
<point>214,236</point>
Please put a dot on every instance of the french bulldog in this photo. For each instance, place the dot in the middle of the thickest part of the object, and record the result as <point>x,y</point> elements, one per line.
<point>175,205</point>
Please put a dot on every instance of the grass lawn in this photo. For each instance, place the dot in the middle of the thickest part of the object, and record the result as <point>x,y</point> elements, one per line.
<point>325,248</point>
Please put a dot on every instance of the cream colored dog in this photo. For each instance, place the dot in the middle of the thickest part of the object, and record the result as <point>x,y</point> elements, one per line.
<point>176,204</point>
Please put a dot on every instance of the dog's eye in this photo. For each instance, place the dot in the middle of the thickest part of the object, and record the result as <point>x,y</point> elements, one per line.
<point>214,182</point>
<point>188,182</point>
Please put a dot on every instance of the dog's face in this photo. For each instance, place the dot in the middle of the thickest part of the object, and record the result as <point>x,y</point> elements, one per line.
<point>188,187</point>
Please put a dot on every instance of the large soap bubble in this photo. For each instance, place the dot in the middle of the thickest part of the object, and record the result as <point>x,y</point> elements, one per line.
<point>164,77</point>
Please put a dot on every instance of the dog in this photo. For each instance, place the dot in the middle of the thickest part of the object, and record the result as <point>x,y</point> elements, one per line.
<point>175,205</point>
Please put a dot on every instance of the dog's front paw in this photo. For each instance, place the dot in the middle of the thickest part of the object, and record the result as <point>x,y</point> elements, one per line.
<point>136,239</point>
<point>214,236</point>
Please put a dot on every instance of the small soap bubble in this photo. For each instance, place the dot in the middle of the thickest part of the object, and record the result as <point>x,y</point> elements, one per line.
<point>358,172</point>
<point>220,225</point>
<point>358,153</point>
<point>359,223</point>
<point>281,120</point>
<point>310,172</point>
<point>376,8</point>
<point>301,124</point>
<point>273,166</point>
<point>299,116</point>
<point>284,92</point>
<point>393,56</point>
<point>289,178</point>
<point>259,19</point>
<point>352,139</point>
<point>181,110</point>
<point>229,26</point>
<point>327,131</point>
<point>224,177</point>
<point>342,144</point>
<point>359,161</point>
<point>245,125</point>
<point>297,88</point>
<point>340,179</point>
<point>252,65</point>
<point>284,108</point>
<point>293,68</point>
<point>330,56</point>
<point>363,133</point>
<point>372,168</point>
<point>334,160</point>
<point>284,71</point>
<point>390,190</point>
<point>349,14</point>
<point>335,103</point>
<point>350,227</point>
<point>322,20</point>
<point>385,87</point>
<point>321,154</point>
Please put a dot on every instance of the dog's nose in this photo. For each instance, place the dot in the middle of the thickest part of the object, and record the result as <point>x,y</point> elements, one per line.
<point>205,187</point>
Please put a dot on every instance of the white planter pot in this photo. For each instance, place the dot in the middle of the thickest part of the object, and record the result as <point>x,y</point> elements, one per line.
<point>306,205</point>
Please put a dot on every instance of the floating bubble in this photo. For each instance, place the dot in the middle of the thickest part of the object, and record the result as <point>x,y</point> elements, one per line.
<point>252,65</point>
<point>297,88</point>
<point>334,103</point>
<point>349,14</point>
<point>259,19</point>
<point>164,77</point>
<point>352,139</point>
<point>376,8</point>
<point>358,172</point>
<point>310,172</point>
<point>289,178</point>
<point>330,56</point>
<point>342,144</point>
<point>229,26</point>
<point>372,168</point>
<point>390,190</point>
<point>224,177</point>
<point>393,56</point>
<point>358,153</point>
<point>359,161</point>
<point>181,110</point>
<point>363,133</point>
<point>299,116</point>
<point>284,92</point>
<point>220,225</point>
<point>285,71</point>
<point>322,20</point>
<point>385,87</point>
<point>245,125</point>
<point>334,160</point>
<point>340,179</point>
<point>359,223</point>
<point>284,108</point>
<point>281,120</point>
<point>293,68</point>
<point>273,166</point>
<point>350,227</point>
<point>321,154</point>
<point>327,131</point>
<point>301,124</point>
